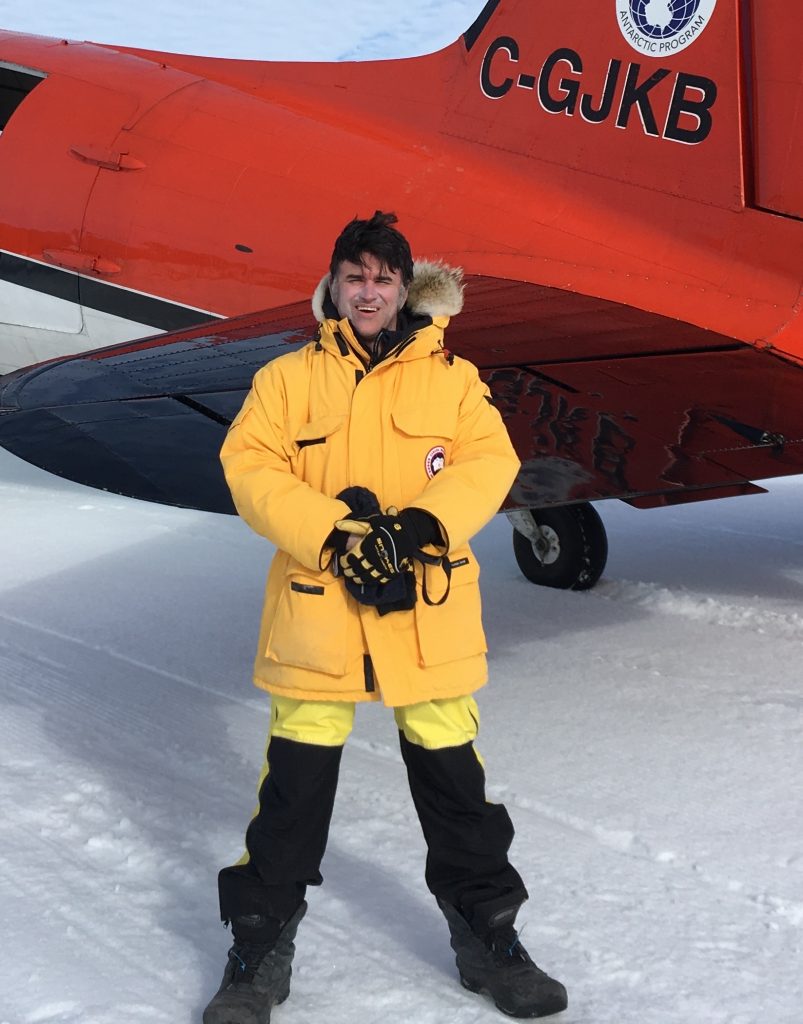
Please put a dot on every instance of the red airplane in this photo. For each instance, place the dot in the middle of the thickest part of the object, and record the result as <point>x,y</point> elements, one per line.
<point>619,179</point>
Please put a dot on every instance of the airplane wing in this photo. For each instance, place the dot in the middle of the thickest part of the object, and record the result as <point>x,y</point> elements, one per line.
<point>146,418</point>
<point>602,401</point>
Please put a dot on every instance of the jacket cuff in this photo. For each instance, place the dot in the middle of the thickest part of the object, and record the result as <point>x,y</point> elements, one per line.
<point>425,528</point>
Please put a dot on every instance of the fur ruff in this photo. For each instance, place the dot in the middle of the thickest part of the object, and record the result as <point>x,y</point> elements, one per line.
<point>436,290</point>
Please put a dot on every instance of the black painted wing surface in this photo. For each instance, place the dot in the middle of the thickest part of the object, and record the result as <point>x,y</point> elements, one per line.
<point>602,401</point>
<point>147,418</point>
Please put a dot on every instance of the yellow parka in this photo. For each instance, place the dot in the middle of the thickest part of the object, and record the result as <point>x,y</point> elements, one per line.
<point>418,430</point>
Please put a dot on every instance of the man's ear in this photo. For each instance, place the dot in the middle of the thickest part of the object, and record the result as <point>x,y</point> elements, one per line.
<point>403,293</point>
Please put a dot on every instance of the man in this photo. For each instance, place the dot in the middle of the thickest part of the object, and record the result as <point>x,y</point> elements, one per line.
<point>369,458</point>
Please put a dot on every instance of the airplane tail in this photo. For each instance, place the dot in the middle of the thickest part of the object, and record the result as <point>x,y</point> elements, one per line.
<point>653,119</point>
<point>640,91</point>
<point>654,92</point>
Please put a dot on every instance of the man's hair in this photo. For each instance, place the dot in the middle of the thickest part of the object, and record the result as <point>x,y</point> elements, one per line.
<point>378,237</point>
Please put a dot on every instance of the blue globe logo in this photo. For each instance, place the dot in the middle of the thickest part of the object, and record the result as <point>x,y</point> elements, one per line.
<point>662,19</point>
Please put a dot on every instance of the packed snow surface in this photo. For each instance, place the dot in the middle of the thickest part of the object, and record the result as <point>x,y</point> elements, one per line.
<point>645,736</point>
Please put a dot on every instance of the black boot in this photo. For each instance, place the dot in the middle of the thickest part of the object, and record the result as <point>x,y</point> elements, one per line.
<point>257,978</point>
<point>492,960</point>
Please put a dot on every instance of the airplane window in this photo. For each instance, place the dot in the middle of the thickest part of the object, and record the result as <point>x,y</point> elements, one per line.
<point>15,84</point>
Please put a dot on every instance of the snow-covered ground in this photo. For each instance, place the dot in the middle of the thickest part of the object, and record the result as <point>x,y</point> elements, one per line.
<point>646,736</point>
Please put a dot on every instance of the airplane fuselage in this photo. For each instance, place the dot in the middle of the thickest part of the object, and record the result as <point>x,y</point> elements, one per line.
<point>144,192</point>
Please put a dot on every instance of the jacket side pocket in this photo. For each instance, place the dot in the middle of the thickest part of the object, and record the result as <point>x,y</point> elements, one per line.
<point>453,630</point>
<point>312,627</point>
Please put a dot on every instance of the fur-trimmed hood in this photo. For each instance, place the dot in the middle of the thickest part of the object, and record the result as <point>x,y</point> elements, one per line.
<point>436,290</point>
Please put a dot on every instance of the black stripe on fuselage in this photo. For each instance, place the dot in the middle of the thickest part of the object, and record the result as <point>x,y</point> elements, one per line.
<point>106,298</point>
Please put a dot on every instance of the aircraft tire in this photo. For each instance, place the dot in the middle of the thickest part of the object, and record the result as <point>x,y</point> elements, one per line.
<point>569,548</point>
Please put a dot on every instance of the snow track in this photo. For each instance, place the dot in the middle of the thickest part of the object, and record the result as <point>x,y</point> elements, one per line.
<point>707,610</point>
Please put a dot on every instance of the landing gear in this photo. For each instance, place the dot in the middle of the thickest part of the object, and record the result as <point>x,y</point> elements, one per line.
<point>563,547</point>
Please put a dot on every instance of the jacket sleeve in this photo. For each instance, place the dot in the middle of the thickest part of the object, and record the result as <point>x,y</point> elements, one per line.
<point>483,464</point>
<point>256,457</point>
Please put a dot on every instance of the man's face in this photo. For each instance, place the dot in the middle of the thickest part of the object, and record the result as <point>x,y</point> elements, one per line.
<point>369,294</point>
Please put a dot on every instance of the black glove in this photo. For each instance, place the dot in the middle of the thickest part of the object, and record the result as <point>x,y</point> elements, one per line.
<point>387,544</point>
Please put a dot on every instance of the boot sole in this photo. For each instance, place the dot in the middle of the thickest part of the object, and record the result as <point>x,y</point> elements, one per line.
<point>550,1006</point>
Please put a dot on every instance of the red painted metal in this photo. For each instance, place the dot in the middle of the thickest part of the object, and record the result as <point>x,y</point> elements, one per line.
<point>777,34</point>
<point>109,159</point>
<point>275,156</point>
<point>73,259</point>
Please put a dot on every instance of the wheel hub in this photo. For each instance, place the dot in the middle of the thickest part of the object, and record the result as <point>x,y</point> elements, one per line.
<point>546,544</point>
<point>545,540</point>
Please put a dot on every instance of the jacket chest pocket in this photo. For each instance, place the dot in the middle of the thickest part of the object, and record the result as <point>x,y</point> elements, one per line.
<point>312,626</point>
<point>453,630</point>
<point>424,440</point>
<point>311,453</point>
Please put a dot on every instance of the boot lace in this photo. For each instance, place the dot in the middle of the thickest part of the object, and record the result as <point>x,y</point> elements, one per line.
<point>506,946</point>
<point>245,959</point>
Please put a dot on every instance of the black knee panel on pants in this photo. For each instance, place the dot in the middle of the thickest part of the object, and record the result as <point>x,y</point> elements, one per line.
<point>286,839</point>
<point>467,837</point>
